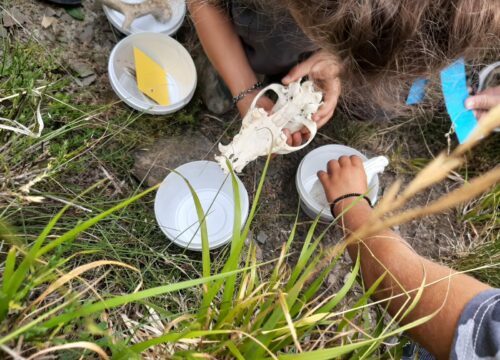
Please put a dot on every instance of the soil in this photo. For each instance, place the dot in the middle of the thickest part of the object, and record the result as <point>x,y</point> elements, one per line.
<point>86,46</point>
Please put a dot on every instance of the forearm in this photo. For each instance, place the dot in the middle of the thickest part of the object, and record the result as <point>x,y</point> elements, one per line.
<point>222,45</point>
<point>406,271</point>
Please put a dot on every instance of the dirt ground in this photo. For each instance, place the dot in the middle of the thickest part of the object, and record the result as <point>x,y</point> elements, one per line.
<point>88,43</point>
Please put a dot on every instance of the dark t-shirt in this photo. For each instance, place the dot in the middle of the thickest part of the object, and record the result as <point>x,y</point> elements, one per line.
<point>478,332</point>
<point>273,43</point>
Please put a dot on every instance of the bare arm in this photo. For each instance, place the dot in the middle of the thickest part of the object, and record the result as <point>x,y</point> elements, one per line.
<point>224,49</point>
<point>387,251</point>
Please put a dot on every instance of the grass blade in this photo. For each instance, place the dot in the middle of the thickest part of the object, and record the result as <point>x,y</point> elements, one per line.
<point>205,246</point>
<point>344,290</point>
<point>71,234</point>
<point>236,248</point>
<point>215,288</point>
<point>362,301</point>
<point>10,263</point>
<point>234,350</point>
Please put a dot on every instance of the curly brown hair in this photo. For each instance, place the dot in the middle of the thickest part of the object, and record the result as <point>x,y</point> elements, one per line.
<point>383,45</point>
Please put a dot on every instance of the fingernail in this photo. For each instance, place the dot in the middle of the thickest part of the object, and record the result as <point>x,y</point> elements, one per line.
<point>286,79</point>
<point>469,104</point>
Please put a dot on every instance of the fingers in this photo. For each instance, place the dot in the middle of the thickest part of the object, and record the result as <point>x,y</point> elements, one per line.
<point>330,100</point>
<point>294,139</point>
<point>297,138</point>
<point>289,139</point>
<point>266,103</point>
<point>323,177</point>
<point>356,160</point>
<point>297,72</point>
<point>482,102</point>
<point>334,166</point>
<point>479,114</point>
<point>344,161</point>
<point>306,134</point>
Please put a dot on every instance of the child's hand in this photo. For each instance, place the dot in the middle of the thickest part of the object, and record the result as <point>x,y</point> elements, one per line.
<point>323,68</point>
<point>345,176</point>
<point>244,104</point>
<point>484,101</point>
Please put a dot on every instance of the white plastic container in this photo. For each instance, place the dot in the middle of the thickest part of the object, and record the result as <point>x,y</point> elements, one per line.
<point>148,23</point>
<point>170,54</point>
<point>312,195</point>
<point>176,212</point>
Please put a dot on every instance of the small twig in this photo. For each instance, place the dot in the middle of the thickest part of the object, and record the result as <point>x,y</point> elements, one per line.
<point>35,90</point>
<point>213,117</point>
<point>15,356</point>
<point>65,202</point>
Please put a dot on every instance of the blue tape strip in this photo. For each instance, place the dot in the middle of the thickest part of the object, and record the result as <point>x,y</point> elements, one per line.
<point>454,83</point>
<point>417,92</point>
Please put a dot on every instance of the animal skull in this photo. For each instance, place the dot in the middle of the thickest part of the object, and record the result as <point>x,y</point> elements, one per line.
<point>262,133</point>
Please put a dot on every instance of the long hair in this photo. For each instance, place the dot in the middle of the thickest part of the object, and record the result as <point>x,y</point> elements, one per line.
<point>383,45</point>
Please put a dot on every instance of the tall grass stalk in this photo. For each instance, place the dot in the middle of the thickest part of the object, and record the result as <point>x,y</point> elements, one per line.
<point>244,310</point>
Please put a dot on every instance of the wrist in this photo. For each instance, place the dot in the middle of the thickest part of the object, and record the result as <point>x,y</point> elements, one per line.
<point>244,82</point>
<point>354,212</point>
<point>250,90</point>
<point>244,104</point>
<point>347,201</point>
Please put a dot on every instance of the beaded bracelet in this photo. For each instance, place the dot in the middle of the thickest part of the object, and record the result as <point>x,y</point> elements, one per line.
<point>244,93</point>
<point>343,197</point>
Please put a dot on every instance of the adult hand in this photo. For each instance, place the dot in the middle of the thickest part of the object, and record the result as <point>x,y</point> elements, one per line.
<point>344,176</point>
<point>483,101</point>
<point>323,69</point>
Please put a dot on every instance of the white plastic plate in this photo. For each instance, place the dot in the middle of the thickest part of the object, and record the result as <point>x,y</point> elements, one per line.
<point>176,212</point>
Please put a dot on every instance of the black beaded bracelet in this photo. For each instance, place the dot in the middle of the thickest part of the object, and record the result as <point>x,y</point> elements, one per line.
<point>343,197</point>
<point>244,93</point>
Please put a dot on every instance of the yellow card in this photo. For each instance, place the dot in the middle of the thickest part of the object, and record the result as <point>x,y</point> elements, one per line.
<point>151,78</point>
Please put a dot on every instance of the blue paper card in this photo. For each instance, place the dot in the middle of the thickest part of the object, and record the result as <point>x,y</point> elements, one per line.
<point>417,92</point>
<point>454,83</point>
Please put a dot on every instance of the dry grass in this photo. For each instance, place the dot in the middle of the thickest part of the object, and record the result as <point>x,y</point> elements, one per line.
<point>163,321</point>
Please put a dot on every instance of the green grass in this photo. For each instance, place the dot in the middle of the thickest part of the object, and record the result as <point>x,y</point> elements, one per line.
<point>78,142</point>
<point>240,298</point>
<point>45,242</point>
<point>482,215</point>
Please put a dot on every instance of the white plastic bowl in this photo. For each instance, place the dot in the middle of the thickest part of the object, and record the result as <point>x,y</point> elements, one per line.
<point>148,23</point>
<point>167,52</point>
<point>176,212</point>
<point>312,195</point>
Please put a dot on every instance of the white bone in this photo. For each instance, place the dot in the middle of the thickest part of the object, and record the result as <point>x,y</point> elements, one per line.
<point>262,133</point>
<point>160,9</point>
